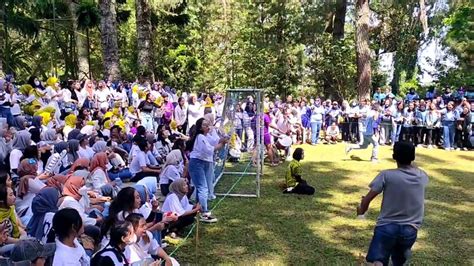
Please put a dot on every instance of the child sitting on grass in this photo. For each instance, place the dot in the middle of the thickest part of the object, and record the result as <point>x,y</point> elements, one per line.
<point>294,181</point>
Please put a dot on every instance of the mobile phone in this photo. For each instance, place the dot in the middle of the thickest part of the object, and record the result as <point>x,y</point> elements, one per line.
<point>158,217</point>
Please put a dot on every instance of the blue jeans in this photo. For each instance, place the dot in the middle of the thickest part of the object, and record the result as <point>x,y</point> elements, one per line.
<point>448,134</point>
<point>198,170</point>
<point>123,174</point>
<point>315,130</point>
<point>392,240</point>
<point>6,113</point>
<point>147,121</point>
<point>396,133</point>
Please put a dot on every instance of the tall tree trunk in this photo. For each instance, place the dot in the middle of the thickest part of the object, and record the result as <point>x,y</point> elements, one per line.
<point>81,46</point>
<point>2,51</point>
<point>329,22</point>
<point>144,42</point>
<point>364,73</point>
<point>424,18</point>
<point>339,19</point>
<point>108,32</point>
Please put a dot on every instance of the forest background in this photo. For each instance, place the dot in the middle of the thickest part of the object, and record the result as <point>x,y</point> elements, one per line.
<point>334,48</point>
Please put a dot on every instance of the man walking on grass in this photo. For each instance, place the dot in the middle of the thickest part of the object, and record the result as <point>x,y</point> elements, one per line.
<point>402,208</point>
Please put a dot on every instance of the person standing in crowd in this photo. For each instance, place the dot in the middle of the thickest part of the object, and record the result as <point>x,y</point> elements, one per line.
<point>387,123</point>
<point>432,125</point>
<point>145,112</point>
<point>194,111</point>
<point>379,96</point>
<point>180,115</point>
<point>448,119</point>
<point>201,158</point>
<point>317,118</point>
<point>402,210</point>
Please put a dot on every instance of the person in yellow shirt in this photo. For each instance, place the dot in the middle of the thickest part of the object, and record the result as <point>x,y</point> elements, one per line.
<point>294,182</point>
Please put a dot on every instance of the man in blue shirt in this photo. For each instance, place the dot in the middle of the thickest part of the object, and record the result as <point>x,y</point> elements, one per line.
<point>369,136</point>
<point>379,96</point>
<point>412,95</point>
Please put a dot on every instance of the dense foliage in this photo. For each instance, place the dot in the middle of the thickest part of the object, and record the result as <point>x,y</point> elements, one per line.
<point>300,47</point>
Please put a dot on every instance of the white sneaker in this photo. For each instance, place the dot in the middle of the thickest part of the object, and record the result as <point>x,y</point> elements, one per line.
<point>207,218</point>
<point>430,147</point>
<point>347,149</point>
<point>374,160</point>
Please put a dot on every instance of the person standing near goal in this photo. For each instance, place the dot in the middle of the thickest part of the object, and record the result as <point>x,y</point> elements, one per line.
<point>402,210</point>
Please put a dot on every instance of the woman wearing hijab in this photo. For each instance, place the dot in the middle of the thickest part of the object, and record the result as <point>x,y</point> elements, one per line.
<point>151,184</point>
<point>49,136</point>
<point>99,178</point>
<point>43,206</point>
<point>19,122</point>
<point>99,146</point>
<point>72,155</point>
<point>75,197</point>
<point>57,182</point>
<point>70,122</point>
<point>20,142</point>
<point>5,147</point>
<point>177,202</point>
<point>29,186</point>
<point>172,170</point>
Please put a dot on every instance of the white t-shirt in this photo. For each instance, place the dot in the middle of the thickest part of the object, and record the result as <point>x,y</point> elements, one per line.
<point>15,156</point>
<point>141,251</point>
<point>170,173</point>
<point>47,225</point>
<point>173,204</point>
<point>138,161</point>
<point>85,153</point>
<point>70,202</point>
<point>97,179</point>
<point>202,149</point>
<point>65,255</point>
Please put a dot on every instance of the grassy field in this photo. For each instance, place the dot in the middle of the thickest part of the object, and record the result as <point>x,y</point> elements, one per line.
<point>280,229</point>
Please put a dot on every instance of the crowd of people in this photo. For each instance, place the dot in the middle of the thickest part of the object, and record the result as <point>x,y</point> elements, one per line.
<point>67,148</point>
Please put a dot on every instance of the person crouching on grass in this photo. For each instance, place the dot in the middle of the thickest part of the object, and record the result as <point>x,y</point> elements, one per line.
<point>294,182</point>
<point>402,210</point>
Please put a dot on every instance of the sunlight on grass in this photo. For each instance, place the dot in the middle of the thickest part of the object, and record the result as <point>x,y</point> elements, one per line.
<point>279,229</point>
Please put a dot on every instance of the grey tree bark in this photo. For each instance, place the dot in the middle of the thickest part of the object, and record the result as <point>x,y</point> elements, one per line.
<point>108,32</point>
<point>364,73</point>
<point>83,69</point>
<point>144,39</point>
<point>339,19</point>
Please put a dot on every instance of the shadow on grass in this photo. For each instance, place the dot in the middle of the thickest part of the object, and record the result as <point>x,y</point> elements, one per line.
<point>322,229</point>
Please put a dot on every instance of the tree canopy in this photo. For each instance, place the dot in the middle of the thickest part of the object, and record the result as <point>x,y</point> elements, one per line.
<point>299,47</point>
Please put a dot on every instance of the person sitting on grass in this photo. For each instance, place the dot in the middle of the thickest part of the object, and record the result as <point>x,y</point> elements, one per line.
<point>294,182</point>
<point>331,133</point>
<point>402,210</point>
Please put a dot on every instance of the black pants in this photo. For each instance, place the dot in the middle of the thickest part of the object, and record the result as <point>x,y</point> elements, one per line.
<point>181,223</point>
<point>165,189</point>
<point>302,188</point>
<point>407,134</point>
<point>429,136</point>
<point>346,136</point>
<point>140,175</point>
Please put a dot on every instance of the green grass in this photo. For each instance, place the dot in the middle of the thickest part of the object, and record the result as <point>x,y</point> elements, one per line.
<point>283,229</point>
